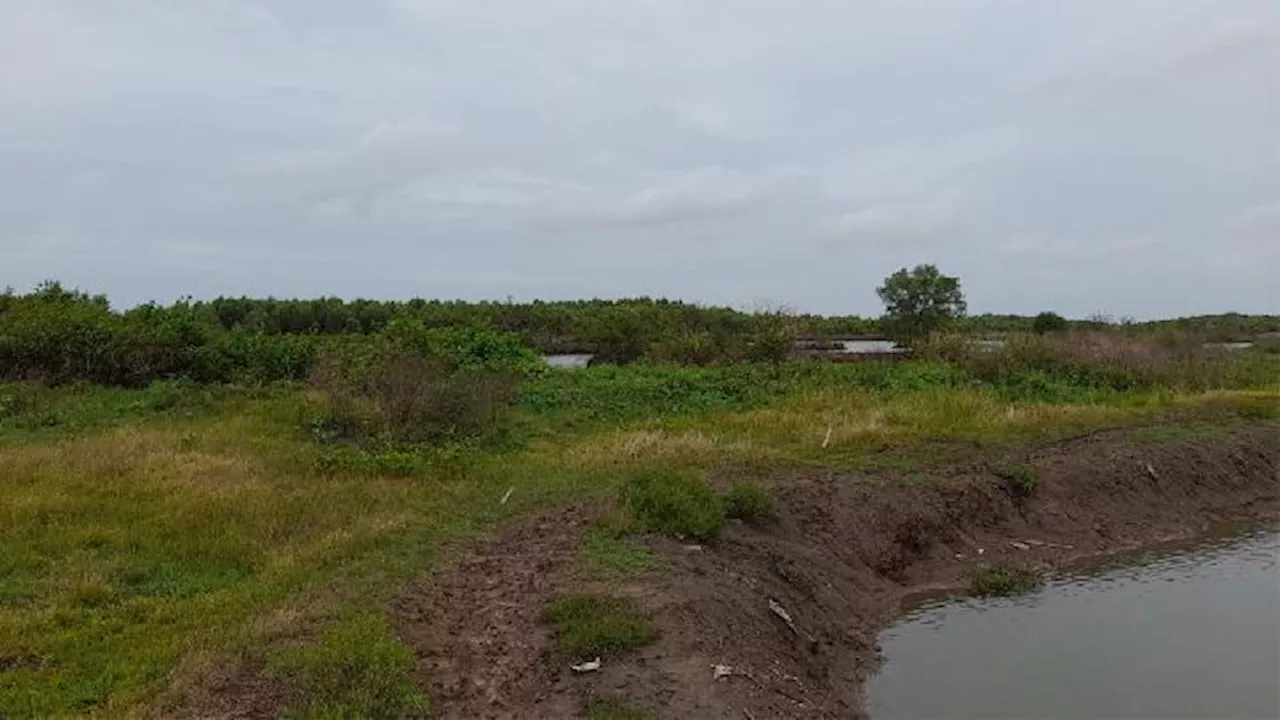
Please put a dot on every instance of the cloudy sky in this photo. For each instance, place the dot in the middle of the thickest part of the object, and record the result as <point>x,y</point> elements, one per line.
<point>1085,156</point>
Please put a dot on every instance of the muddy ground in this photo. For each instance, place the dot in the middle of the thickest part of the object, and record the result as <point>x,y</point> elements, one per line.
<point>843,552</point>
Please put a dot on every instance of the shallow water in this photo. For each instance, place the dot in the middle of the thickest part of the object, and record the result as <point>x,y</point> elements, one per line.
<point>870,346</point>
<point>575,361</point>
<point>1192,633</point>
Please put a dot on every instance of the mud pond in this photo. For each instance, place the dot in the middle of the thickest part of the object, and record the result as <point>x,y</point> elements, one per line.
<point>1186,631</point>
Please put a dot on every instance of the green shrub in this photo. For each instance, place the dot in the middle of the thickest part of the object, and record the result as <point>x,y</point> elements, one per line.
<point>773,338</point>
<point>466,348</point>
<point>692,348</point>
<point>1048,322</point>
<point>405,398</point>
<point>1103,360</point>
<point>589,626</point>
<point>1004,581</point>
<point>748,501</point>
<point>358,669</point>
<point>677,503</point>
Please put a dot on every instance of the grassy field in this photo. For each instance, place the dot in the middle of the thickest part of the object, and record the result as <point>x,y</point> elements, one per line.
<point>151,536</point>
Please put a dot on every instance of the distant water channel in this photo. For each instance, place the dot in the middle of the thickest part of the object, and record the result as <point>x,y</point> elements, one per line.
<point>1191,633</point>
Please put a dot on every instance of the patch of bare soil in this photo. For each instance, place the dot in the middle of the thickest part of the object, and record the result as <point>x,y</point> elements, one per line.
<point>793,606</point>
<point>236,693</point>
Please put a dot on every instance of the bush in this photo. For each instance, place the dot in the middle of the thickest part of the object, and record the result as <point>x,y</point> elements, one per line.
<point>692,348</point>
<point>589,626</point>
<point>748,501</point>
<point>1099,360</point>
<point>1048,322</point>
<point>674,503</point>
<point>404,398</point>
<point>773,338</point>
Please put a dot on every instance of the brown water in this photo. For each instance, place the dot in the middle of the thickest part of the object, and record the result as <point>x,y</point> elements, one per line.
<point>1193,633</point>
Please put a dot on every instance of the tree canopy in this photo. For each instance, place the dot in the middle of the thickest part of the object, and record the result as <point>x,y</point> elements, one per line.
<point>920,301</point>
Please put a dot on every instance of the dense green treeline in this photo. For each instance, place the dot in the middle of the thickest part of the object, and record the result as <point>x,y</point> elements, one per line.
<point>59,335</point>
<point>553,326</point>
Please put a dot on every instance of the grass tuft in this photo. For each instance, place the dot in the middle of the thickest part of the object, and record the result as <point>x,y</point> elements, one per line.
<point>1004,581</point>
<point>748,501</point>
<point>606,555</point>
<point>358,669</point>
<point>591,626</point>
<point>1020,482</point>
<point>674,502</point>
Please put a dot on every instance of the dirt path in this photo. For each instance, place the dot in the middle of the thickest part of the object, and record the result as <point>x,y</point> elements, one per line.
<point>843,552</point>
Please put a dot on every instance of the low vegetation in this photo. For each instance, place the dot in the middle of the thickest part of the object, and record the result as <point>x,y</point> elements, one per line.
<point>358,669</point>
<point>1004,581</point>
<point>1020,482</point>
<point>587,627</point>
<point>674,502</point>
<point>746,500</point>
<point>614,708</point>
<point>241,479</point>
<point>606,555</point>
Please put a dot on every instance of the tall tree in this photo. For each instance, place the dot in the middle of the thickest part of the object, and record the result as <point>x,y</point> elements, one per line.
<point>920,301</point>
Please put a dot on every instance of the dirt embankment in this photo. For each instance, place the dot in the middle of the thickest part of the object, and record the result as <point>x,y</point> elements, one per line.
<point>843,552</point>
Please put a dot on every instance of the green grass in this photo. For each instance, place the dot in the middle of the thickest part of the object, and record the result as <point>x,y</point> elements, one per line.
<point>674,502</point>
<point>146,533</point>
<point>1191,431</point>
<point>746,500</point>
<point>357,669</point>
<point>32,412</point>
<point>590,626</point>
<point>600,707</point>
<point>1004,581</point>
<point>605,555</point>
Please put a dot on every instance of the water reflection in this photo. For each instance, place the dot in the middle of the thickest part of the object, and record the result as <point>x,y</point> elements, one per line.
<point>1192,634</point>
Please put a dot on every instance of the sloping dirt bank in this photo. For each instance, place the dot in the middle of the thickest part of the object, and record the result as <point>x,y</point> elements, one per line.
<point>842,553</point>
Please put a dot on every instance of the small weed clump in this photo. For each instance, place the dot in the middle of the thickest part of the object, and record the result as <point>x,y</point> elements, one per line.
<point>748,501</point>
<point>674,503</point>
<point>599,707</point>
<point>1020,482</point>
<point>358,669</point>
<point>591,626</point>
<point>605,555</point>
<point>1004,581</point>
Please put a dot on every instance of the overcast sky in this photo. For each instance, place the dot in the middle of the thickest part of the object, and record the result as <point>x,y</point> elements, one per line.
<point>1116,156</point>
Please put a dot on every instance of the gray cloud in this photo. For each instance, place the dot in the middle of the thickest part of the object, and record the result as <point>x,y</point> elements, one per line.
<point>1086,156</point>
